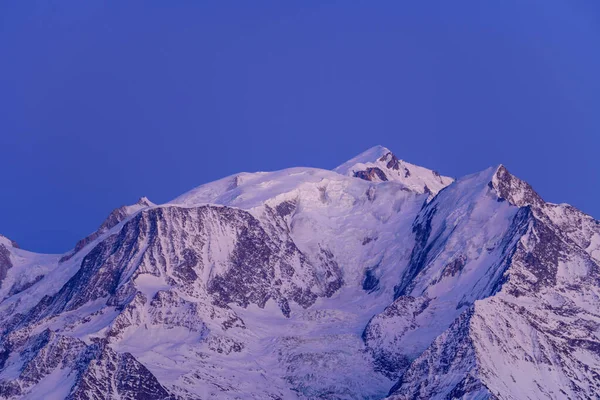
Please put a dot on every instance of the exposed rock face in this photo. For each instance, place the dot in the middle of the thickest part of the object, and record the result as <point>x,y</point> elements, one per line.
<point>184,246</point>
<point>538,320</point>
<point>116,375</point>
<point>5,256</point>
<point>373,174</point>
<point>295,283</point>
<point>169,268</point>
<point>5,263</point>
<point>371,282</point>
<point>432,375</point>
<point>8,242</point>
<point>114,218</point>
<point>383,335</point>
<point>91,371</point>
<point>514,190</point>
<point>392,160</point>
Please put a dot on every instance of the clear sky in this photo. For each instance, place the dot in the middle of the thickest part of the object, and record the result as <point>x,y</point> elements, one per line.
<point>102,102</point>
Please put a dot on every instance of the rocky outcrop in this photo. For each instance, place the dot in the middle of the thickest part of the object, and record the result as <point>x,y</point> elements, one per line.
<point>9,242</point>
<point>373,174</point>
<point>514,190</point>
<point>78,370</point>
<point>5,262</point>
<point>116,375</point>
<point>117,216</point>
<point>446,370</point>
<point>391,160</point>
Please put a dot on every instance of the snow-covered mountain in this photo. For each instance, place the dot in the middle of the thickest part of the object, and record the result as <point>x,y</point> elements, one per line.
<point>379,164</point>
<point>379,279</point>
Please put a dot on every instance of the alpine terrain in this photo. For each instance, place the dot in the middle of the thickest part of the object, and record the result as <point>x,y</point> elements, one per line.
<point>379,279</point>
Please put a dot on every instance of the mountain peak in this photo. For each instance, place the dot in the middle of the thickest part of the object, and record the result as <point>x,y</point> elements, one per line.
<point>117,216</point>
<point>369,156</point>
<point>144,202</point>
<point>513,189</point>
<point>380,164</point>
<point>6,241</point>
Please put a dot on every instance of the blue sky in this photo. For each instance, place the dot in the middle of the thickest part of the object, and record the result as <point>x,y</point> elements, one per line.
<point>104,102</point>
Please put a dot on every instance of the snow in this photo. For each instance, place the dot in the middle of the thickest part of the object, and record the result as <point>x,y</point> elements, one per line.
<point>54,386</point>
<point>149,285</point>
<point>328,205</point>
<point>461,264</point>
<point>414,177</point>
<point>368,156</point>
<point>175,329</point>
<point>6,241</point>
<point>45,274</point>
<point>28,268</point>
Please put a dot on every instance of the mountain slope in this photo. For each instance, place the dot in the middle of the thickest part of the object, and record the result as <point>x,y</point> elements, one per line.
<point>291,284</point>
<point>379,164</point>
<point>537,336</point>
<point>464,239</point>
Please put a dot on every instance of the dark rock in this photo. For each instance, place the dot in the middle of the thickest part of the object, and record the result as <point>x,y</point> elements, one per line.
<point>286,208</point>
<point>113,219</point>
<point>370,282</point>
<point>514,190</point>
<point>5,262</point>
<point>392,161</point>
<point>371,174</point>
<point>418,258</point>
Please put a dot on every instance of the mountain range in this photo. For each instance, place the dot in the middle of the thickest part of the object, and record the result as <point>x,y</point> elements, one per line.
<point>379,279</point>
